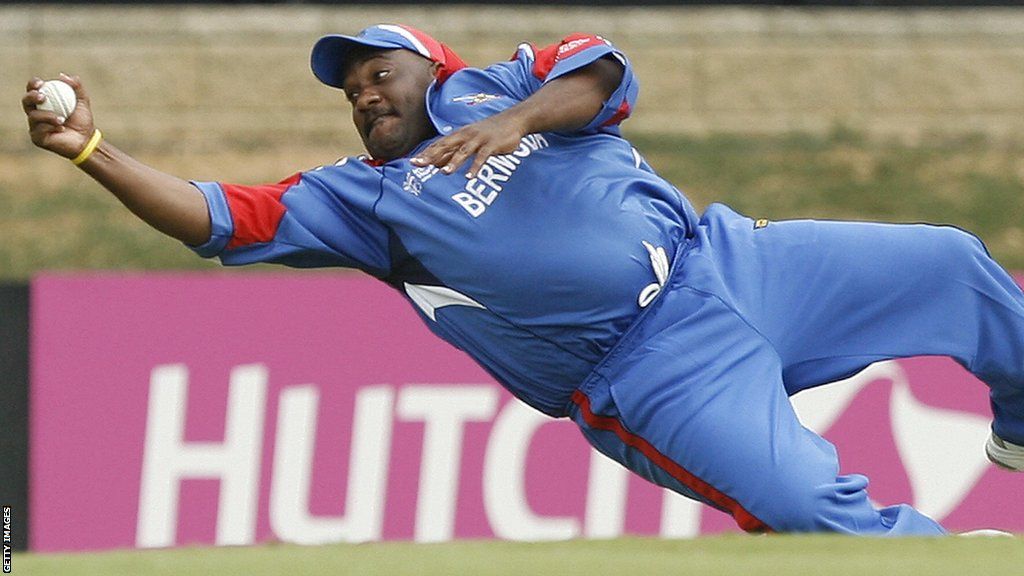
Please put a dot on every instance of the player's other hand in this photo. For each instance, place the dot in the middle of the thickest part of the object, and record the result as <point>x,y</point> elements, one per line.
<point>65,137</point>
<point>498,134</point>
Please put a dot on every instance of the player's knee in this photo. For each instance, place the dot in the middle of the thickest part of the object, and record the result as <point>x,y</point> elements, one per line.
<point>800,512</point>
<point>839,506</point>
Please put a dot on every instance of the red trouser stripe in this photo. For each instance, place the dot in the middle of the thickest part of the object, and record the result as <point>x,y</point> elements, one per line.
<point>746,520</point>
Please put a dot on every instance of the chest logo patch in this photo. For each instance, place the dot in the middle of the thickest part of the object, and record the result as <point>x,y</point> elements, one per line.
<point>415,178</point>
<point>474,99</point>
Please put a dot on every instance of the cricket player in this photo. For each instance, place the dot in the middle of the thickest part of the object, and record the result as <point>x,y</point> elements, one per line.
<point>504,204</point>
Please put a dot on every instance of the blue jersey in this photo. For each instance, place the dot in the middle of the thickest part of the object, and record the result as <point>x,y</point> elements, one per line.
<point>535,267</point>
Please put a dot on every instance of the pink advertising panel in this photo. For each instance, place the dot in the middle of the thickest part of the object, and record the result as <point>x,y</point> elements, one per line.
<point>179,409</point>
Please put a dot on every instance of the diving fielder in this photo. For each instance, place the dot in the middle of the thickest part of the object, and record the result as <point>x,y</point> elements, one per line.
<point>506,207</point>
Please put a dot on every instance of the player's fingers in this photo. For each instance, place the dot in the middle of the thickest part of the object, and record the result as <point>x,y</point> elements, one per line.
<point>440,152</point>
<point>452,151</point>
<point>469,140</point>
<point>34,84</point>
<point>76,83</point>
<point>81,95</point>
<point>44,117</point>
<point>459,157</point>
<point>45,128</point>
<point>423,158</point>
<point>482,155</point>
<point>31,99</point>
<point>41,131</point>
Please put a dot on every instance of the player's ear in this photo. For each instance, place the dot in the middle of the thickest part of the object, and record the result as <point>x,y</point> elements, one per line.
<point>435,68</point>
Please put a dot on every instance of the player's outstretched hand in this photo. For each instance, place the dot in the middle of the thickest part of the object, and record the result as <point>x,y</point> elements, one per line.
<point>65,137</point>
<point>499,134</point>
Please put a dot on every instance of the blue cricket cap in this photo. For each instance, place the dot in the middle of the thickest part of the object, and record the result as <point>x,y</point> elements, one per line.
<point>330,53</point>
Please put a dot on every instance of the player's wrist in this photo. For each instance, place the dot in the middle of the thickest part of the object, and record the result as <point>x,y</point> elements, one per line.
<point>517,121</point>
<point>89,148</point>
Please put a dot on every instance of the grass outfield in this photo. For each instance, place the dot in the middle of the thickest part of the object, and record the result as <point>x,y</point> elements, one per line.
<point>709,556</point>
<point>54,218</point>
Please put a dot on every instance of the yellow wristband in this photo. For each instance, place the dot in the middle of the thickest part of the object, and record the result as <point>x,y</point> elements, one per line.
<point>94,141</point>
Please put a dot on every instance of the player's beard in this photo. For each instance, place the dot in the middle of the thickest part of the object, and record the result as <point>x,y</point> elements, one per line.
<point>394,136</point>
<point>387,138</point>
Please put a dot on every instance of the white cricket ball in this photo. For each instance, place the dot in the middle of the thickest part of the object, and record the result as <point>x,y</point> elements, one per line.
<point>60,98</point>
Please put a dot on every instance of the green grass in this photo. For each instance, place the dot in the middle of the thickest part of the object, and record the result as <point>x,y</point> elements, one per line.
<point>971,182</point>
<point>52,217</point>
<point>710,556</point>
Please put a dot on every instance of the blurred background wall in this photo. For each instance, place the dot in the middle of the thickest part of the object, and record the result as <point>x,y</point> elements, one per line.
<point>210,77</point>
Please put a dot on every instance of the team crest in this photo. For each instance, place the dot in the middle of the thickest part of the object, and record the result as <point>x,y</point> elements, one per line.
<point>414,179</point>
<point>474,99</point>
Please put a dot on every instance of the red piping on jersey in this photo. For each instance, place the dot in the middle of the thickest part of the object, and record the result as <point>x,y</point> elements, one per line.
<point>746,520</point>
<point>621,114</point>
<point>256,211</point>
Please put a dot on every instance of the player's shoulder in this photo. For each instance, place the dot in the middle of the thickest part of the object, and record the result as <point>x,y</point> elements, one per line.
<point>350,180</point>
<point>346,173</point>
<point>573,49</point>
<point>568,46</point>
<point>359,163</point>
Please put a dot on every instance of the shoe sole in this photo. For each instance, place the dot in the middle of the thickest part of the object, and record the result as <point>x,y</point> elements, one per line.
<point>1004,454</point>
<point>986,533</point>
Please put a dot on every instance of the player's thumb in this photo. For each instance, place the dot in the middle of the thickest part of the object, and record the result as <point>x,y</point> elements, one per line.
<point>76,84</point>
<point>81,119</point>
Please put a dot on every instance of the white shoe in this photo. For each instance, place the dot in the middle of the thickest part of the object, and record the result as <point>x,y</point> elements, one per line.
<point>986,533</point>
<point>1004,454</point>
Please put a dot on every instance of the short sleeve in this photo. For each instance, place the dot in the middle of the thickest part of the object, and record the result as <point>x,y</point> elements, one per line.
<point>324,217</point>
<point>574,52</point>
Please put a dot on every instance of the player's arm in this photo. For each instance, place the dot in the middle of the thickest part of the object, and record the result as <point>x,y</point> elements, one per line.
<point>565,104</point>
<point>580,83</point>
<point>169,204</point>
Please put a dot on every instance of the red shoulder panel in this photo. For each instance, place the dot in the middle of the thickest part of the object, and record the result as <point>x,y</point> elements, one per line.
<point>256,210</point>
<point>575,43</point>
<point>544,61</point>
<point>571,45</point>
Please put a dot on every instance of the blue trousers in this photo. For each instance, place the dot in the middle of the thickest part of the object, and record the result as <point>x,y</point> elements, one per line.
<point>695,396</point>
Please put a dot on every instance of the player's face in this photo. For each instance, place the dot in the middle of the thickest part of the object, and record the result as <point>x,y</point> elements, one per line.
<point>386,89</point>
